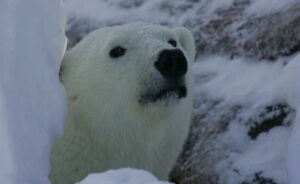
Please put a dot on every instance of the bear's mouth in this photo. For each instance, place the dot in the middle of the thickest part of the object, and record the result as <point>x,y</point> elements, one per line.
<point>175,92</point>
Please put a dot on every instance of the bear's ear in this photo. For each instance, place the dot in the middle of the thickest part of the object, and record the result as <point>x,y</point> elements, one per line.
<point>187,41</point>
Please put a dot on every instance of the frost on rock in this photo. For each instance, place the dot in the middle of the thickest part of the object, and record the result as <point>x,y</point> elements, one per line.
<point>246,111</point>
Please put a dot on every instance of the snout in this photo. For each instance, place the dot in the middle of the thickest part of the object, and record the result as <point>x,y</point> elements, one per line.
<point>171,64</point>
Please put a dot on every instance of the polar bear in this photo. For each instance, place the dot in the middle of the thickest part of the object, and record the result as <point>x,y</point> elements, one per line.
<point>129,91</point>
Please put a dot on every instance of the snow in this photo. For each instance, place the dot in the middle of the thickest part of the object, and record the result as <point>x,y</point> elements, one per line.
<point>267,153</point>
<point>155,11</point>
<point>124,176</point>
<point>6,161</point>
<point>216,4</point>
<point>32,101</point>
<point>288,84</point>
<point>263,7</point>
<point>243,75</point>
<point>88,9</point>
<point>290,89</point>
<point>253,84</point>
<point>293,152</point>
<point>101,11</point>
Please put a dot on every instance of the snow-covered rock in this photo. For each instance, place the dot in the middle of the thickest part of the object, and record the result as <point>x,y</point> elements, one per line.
<point>242,122</point>
<point>262,29</point>
<point>32,100</point>
<point>124,176</point>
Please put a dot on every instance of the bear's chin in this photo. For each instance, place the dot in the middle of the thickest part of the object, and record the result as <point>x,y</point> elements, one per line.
<point>167,94</point>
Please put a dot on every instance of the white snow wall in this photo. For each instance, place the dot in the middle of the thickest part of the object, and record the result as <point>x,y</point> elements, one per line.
<point>32,100</point>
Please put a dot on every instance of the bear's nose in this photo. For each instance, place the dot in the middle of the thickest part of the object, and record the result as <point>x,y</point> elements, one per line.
<point>171,64</point>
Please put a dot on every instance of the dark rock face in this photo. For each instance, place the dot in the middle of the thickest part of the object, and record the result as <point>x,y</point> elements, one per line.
<point>272,116</point>
<point>259,179</point>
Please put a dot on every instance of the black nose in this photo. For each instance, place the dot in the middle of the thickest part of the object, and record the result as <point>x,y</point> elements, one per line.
<point>172,64</point>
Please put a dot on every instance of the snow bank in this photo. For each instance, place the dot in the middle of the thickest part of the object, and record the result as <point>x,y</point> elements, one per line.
<point>124,176</point>
<point>32,100</point>
<point>263,7</point>
<point>241,76</point>
<point>102,11</point>
<point>289,88</point>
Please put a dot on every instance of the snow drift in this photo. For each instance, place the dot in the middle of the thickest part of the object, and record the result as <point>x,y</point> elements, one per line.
<point>32,100</point>
<point>124,176</point>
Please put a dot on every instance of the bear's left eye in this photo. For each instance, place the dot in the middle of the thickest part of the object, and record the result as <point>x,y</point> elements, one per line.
<point>172,42</point>
<point>117,52</point>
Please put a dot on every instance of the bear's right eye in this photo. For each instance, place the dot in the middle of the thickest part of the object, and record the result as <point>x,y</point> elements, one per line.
<point>117,52</point>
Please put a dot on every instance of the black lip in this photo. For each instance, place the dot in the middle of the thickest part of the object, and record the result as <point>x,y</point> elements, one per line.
<point>176,92</point>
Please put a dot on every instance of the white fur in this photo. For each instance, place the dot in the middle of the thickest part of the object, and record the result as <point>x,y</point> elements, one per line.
<point>107,127</point>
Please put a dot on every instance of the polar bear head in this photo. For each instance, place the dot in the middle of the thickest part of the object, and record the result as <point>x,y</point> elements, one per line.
<point>129,99</point>
<point>138,68</point>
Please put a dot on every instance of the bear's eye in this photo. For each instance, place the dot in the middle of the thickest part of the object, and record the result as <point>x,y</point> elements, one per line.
<point>173,42</point>
<point>117,52</point>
